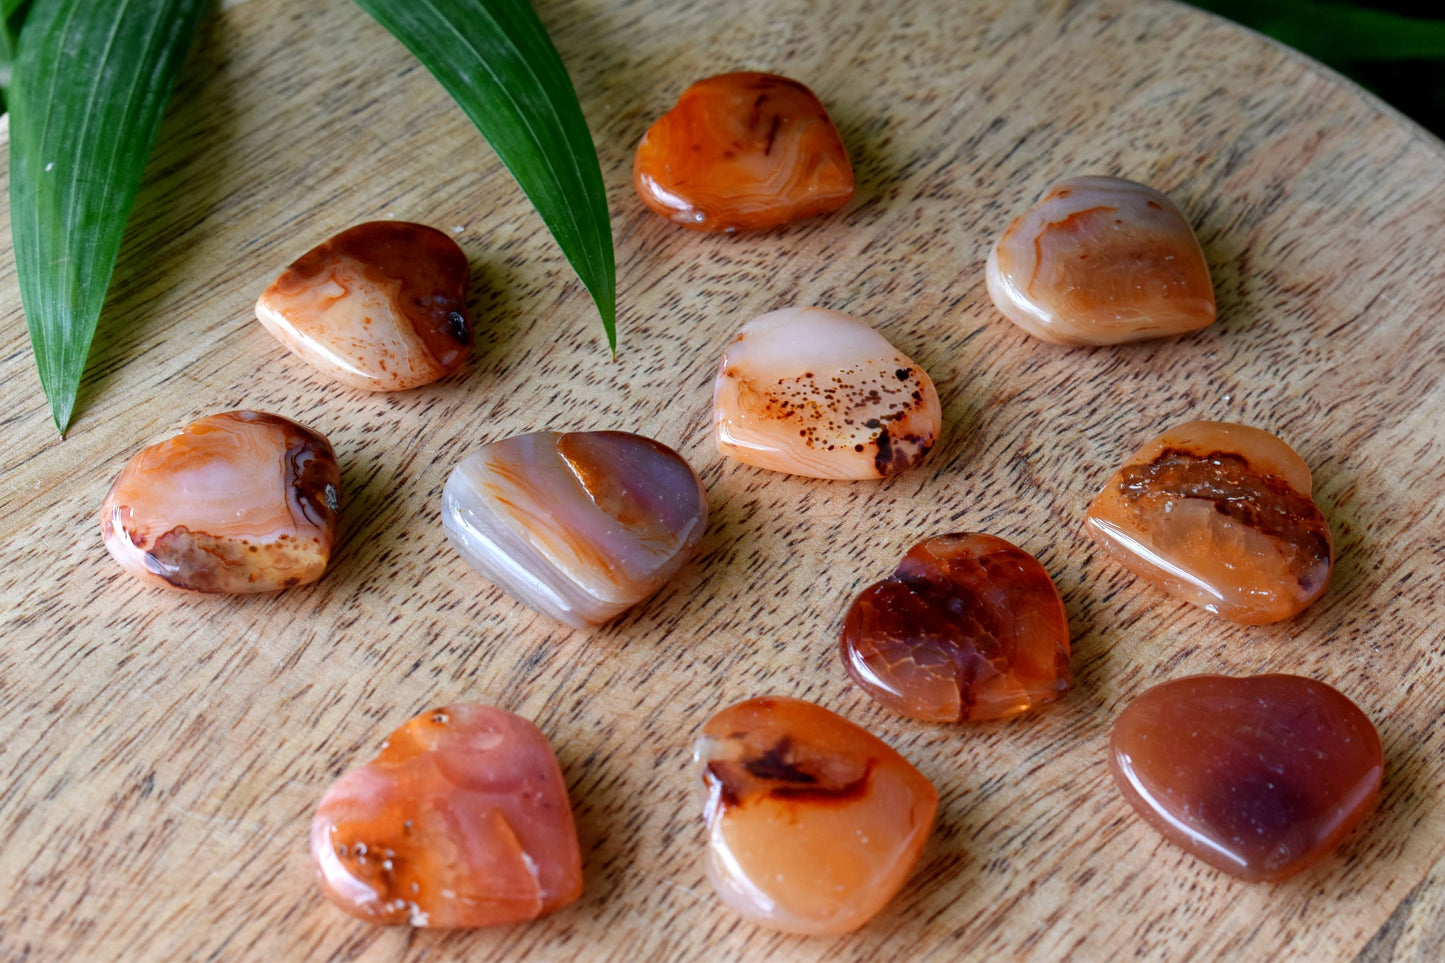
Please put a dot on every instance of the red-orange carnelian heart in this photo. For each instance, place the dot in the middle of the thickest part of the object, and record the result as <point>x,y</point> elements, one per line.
<point>743,151</point>
<point>969,627</point>
<point>1258,776</point>
<point>462,821</point>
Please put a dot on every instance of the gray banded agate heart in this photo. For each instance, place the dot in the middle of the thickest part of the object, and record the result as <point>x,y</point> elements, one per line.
<point>580,526</point>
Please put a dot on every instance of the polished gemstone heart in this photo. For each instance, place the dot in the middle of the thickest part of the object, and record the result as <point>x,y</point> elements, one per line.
<point>1219,515</point>
<point>580,526</point>
<point>813,823</point>
<point>235,502</point>
<point>1101,260</point>
<point>381,306</point>
<point>463,820</point>
<point>743,151</point>
<point>1259,777</point>
<point>814,392</point>
<point>969,627</point>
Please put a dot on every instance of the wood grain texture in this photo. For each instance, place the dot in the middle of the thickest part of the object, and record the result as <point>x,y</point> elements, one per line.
<point>160,754</point>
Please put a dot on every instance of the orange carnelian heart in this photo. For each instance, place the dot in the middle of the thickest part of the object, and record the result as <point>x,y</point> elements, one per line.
<point>1219,515</point>
<point>813,823</point>
<point>818,393</point>
<point>462,821</point>
<point>236,502</point>
<point>743,151</point>
<point>382,306</point>
<point>1101,260</point>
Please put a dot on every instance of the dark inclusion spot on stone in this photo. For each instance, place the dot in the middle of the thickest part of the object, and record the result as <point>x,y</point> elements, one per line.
<point>896,454</point>
<point>773,133</point>
<point>884,459</point>
<point>457,325</point>
<point>789,781</point>
<point>718,777</point>
<point>774,765</point>
<point>311,473</point>
<point>186,560</point>
<point>848,792</point>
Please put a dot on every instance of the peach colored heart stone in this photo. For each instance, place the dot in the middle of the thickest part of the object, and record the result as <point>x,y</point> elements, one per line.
<point>969,627</point>
<point>236,502</point>
<point>743,151</point>
<point>1259,777</point>
<point>1101,260</point>
<point>815,392</point>
<point>1221,516</point>
<point>462,821</point>
<point>380,306</point>
<point>813,823</point>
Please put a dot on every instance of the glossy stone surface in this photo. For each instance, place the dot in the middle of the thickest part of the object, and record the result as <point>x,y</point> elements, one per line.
<point>813,823</point>
<point>743,151</point>
<point>463,820</point>
<point>579,526</point>
<point>1219,515</point>
<point>1101,260</point>
<point>969,627</point>
<point>1259,777</point>
<point>236,502</point>
<point>814,392</point>
<point>381,306</point>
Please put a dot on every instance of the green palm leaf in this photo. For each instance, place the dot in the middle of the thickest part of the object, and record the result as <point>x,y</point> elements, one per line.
<point>91,79</point>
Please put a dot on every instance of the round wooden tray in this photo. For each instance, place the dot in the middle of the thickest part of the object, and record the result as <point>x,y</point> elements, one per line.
<point>160,754</point>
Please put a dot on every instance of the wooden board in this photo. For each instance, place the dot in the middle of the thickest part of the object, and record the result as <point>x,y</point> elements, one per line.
<point>160,754</point>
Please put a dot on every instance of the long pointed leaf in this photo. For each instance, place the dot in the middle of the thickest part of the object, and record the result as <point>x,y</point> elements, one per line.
<point>494,57</point>
<point>91,81</point>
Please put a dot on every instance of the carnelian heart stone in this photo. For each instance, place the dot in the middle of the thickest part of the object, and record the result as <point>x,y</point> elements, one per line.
<point>382,306</point>
<point>1101,260</point>
<point>236,502</point>
<point>1258,776</point>
<point>815,392</point>
<point>813,823</point>
<point>462,821</point>
<point>743,151</point>
<point>968,627</point>
<point>1219,515</point>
